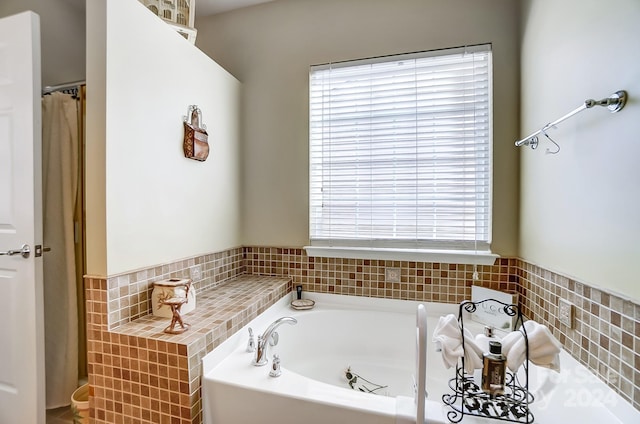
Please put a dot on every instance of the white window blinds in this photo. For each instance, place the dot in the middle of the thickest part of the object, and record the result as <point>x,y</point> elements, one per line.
<point>400,151</point>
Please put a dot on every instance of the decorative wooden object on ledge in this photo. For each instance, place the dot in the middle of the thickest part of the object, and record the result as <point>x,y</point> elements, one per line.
<point>175,303</point>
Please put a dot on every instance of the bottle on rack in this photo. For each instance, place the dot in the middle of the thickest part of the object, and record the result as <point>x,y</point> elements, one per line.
<point>493,369</point>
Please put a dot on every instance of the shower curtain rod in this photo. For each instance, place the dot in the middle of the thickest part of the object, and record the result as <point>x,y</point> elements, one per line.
<point>66,86</point>
<point>614,103</point>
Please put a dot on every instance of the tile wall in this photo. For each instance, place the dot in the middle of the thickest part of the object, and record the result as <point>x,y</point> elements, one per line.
<point>606,330</point>
<point>130,293</point>
<point>605,336</point>
<point>139,374</point>
<point>431,282</point>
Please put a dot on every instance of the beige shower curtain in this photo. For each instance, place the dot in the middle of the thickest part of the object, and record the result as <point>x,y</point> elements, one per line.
<point>60,193</point>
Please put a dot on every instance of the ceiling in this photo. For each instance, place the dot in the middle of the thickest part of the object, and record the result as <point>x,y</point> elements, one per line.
<point>211,7</point>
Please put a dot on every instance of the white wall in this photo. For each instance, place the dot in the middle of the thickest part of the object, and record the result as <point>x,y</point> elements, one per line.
<point>147,204</point>
<point>580,208</point>
<point>62,29</point>
<point>270,47</point>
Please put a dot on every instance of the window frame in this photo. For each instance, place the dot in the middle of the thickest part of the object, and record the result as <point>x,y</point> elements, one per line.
<point>451,251</point>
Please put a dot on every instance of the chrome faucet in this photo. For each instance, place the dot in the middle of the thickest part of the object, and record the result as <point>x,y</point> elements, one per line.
<point>251,344</point>
<point>269,337</point>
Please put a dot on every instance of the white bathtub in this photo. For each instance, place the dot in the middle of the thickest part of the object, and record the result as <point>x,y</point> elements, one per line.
<point>376,338</point>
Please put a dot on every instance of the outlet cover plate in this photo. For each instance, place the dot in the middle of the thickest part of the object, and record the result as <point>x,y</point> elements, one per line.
<point>195,273</point>
<point>565,313</point>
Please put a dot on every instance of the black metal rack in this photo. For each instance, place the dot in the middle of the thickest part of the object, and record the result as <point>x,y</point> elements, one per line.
<point>467,398</point>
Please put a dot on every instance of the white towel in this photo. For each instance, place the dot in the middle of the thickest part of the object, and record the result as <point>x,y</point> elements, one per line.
<point>544,348</point>
<point>448,339</point>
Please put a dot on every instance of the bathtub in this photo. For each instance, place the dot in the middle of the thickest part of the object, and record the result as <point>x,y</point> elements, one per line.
<point>374,339</point>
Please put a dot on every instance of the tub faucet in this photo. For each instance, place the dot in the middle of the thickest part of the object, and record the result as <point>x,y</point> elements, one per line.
<point>269,337</point>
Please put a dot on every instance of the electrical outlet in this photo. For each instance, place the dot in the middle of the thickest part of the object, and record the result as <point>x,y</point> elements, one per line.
<point>565,313</point>
<point>392,275</point>
<point>195,273</point>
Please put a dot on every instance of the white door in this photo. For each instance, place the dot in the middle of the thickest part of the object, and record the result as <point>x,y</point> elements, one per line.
<point>21,310</point>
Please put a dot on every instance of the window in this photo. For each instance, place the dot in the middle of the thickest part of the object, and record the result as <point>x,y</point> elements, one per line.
<point>400,151</point>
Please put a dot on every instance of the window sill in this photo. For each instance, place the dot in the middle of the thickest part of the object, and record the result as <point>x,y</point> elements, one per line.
<point>412,255</point>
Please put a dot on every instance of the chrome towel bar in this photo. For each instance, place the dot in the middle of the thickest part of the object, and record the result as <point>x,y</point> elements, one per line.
<point>614,103</point>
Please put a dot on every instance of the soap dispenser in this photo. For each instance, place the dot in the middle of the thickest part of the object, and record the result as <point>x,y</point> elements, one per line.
<point>493,369</point>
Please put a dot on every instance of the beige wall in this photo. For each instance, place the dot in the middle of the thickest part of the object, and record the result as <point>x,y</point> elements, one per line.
<point>269,49</point>
<point>146,203</point>
<point>62,29</point>
<point>580,208</point>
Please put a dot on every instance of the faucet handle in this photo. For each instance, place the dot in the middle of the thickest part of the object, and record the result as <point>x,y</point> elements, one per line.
<point>251,345</point>
<point>275,367</point>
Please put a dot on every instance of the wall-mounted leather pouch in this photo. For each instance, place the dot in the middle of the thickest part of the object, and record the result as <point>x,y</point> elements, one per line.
<point>196,139</point>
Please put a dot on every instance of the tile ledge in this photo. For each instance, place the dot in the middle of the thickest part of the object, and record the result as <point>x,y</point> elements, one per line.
<point>270,290</point>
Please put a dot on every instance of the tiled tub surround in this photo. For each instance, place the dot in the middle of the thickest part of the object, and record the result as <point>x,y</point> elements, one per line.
<point>139,374</point>
<point>606,330</point>
<point>425,281</point>
<point>130,293</point>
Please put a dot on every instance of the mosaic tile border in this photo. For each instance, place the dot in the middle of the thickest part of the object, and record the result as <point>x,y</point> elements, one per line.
<point>423,281</point>
<point>130,293</point>
<point>606,333</point>
<point>605,336</point>
<point>139,374</point>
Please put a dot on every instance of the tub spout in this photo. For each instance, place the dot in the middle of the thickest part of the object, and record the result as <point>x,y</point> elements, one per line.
<point>270,336</point>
